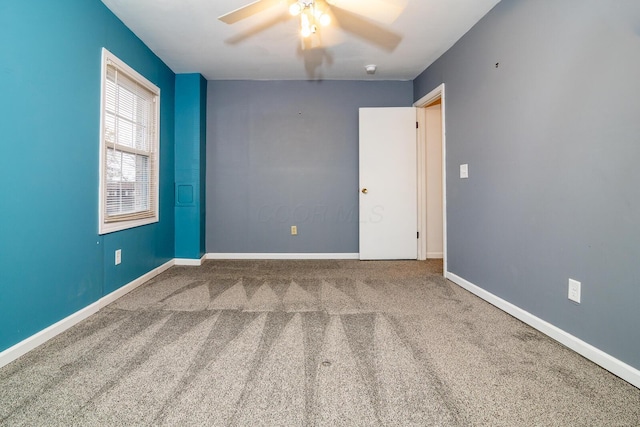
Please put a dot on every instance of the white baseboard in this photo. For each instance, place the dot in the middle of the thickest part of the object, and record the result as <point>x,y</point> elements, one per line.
<point>599,357</point>
<point>28,344</point>
<point>284,256</point>
<point>190,261</point>
<point>435,255</point>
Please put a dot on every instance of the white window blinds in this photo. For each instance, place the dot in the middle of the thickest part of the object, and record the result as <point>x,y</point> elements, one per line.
<point>129,153</point>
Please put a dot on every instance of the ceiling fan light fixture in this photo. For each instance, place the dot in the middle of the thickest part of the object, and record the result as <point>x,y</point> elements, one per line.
<point>295,9</point>
<point>325,19</point>
<point>310,17</point>
<point>305,27</point>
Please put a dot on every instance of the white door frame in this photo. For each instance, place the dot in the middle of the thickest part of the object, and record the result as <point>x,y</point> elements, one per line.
<point>436,93</point>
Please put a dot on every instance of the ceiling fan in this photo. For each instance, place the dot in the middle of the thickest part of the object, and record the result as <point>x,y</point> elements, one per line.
<point>362,18</point>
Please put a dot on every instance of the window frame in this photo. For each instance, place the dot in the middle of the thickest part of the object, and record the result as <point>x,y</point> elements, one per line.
<point>112,225</point>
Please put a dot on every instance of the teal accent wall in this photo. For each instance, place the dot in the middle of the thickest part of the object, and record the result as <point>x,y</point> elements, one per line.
<point>203,164</point>
<point>191,96</point>
<point>52,260</point>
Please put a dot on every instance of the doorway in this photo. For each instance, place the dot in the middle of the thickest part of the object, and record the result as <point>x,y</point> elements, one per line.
<point>431,155</point>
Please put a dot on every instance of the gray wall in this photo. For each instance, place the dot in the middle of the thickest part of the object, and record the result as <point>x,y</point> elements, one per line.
<point>282,153</point>
<point>552,139</point>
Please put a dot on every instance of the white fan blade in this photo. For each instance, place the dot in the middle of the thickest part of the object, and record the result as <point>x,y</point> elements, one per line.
<point>247,11</point>
<point>384,11</point>
<point>365,29</point>
<point>262,26</point>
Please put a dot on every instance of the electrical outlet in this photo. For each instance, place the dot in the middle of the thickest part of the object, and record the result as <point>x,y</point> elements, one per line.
<point>575,290</point>
<point>294,230</point>
<point>118,256</point>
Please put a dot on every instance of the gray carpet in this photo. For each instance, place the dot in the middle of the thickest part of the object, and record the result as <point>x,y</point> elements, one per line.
<point>305,343</point>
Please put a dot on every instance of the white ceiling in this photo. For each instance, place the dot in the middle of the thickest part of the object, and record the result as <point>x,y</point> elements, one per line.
<point>189,38</point>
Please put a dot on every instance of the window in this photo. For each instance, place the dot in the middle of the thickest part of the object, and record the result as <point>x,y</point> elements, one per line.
<point>129,147</point>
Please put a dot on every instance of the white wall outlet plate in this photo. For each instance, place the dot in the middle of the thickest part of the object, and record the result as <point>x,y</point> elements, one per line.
<point>294,230</point>
<point>575,290</point>
<point>118,256</point>
<point>464,171</point>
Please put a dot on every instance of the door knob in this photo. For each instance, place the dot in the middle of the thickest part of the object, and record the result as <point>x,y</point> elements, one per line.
<point>365,191</point>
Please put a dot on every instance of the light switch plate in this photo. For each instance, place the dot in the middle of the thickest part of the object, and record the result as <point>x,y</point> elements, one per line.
<point>464,171</point>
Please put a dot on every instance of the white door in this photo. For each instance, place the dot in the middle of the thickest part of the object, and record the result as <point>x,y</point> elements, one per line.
<point>388,194</point>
